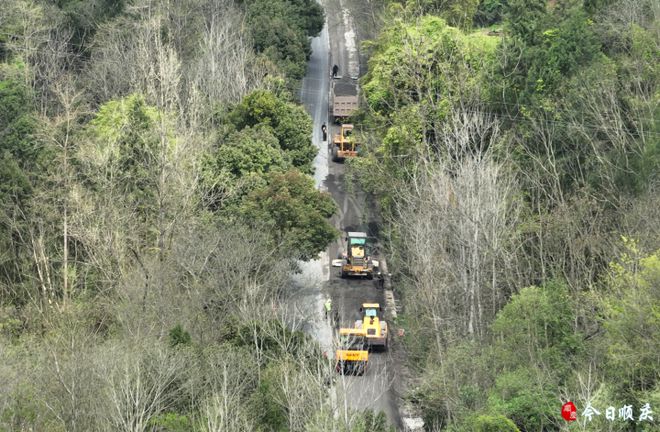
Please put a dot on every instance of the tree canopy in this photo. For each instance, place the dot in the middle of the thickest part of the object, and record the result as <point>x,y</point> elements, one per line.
<point>287,121</point>
<point>510,148</point>
<point>146,241</point>
<point>296,212</point>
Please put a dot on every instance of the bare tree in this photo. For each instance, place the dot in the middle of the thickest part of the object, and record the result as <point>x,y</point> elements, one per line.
<point>65,377</point>
<point>60,134</point>
<point>31,31</point>
<point>457,228</point>
<point>132,55</point>
<point>231,381</point>
<point>139,383</point>
<point>226,68</point>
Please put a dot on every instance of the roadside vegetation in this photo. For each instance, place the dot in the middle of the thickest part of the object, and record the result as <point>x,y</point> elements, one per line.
<point>155,196</point>
<point>513,151</point>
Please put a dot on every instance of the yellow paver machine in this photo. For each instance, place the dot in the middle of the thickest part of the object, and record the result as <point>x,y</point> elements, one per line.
<point>352,355</point>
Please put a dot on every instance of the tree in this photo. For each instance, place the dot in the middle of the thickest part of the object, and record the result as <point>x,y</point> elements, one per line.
<point>69,387</point>
<point>493,423</point>
<point>139,384</point>
<point>61,131</point>
<point>536,349</point>
<point>280,29</point>
<point>136,183</point>
<point>489,12</point>
<point>238,166</point>
<point>456,219</point>
<point>19,120</point>
<point>458,13</point>
<point>632,322</point>
<point>178,336</point>
<point>289,123</point>
<point>24,162</point>
<point>125,135</point>
<point>225,51</point>
<point>84,17</point>
<point>252,150</point>
<point>231,378</point>
<point>296,212</point>
<point>524,19</point>
<point>539,51</point>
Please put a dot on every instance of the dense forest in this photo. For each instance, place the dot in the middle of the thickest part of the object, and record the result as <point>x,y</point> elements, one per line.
<point>156,195</point>
<point>514,153</point>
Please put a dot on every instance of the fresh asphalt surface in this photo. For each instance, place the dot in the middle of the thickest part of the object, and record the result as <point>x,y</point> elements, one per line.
<point>318,279</point>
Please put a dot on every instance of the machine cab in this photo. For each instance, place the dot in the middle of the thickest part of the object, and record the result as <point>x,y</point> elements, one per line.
<point>357,244</point>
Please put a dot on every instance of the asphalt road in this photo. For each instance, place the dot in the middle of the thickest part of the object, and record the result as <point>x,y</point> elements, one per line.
<point>376,389</point>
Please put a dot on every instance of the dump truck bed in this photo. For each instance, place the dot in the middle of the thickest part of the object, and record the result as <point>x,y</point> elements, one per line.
<point>344,99</point>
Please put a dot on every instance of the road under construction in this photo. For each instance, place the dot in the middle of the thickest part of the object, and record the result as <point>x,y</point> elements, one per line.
<point>377,388</point>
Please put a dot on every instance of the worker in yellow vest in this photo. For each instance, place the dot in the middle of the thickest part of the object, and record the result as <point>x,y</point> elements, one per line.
<point>328,307</point>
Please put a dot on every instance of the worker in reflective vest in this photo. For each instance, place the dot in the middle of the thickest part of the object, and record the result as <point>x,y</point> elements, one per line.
<point>328,307</point>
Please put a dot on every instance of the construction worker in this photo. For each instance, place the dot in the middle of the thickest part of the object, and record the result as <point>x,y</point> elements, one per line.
<point>381,280</point>
<point>328,307</point>
<point>324,129</point>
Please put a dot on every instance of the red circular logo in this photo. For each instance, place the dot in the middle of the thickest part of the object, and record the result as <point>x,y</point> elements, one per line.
<point>568,411</point>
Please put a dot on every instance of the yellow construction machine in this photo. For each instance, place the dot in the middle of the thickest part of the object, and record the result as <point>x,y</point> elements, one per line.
<point>373,325</point>
<point>344,144</point>
<point>356,260</point>
<point>352,355</point>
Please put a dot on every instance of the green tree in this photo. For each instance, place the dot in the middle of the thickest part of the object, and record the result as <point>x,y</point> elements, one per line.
<point>525,396</point>
<point>538,318</point>
<point>524,18</point>
<point>489,423</point>
<point>547,48</point>
<point>178,336</point>
<point>458,13</point>
<point>289,123</point>
<point>20,127</point>
<point>631,318</point>
<point>239,165</point>
<point>490,12</point>
<point>296,211</point>
<point>252,150</point>
<point>562,49</point>
<point>280,29</point>
<point>536,349</point>
<point>452,389</point>
<point>136,183</point>
<point>126,136</point>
